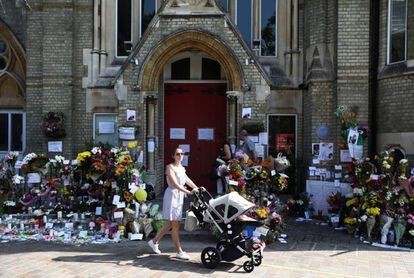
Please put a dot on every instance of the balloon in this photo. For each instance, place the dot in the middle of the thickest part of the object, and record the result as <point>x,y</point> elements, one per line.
<point>141,195</point>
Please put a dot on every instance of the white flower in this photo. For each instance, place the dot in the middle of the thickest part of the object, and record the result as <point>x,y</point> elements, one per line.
<point>403,161</point>
<point>9,203</point>
<point>114,150</point>
<point>59,159</point>
<point>358,192</point>
<point>96,150</point>
<point>300,202</point>
<point>16,179</point>
<point>388,196</point>
<point>11,156</point>
<point>29,157</point>
<point>411,232</point>
<point>364,218</point>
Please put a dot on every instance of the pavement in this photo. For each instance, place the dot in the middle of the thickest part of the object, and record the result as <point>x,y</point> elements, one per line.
<point>311,251</point>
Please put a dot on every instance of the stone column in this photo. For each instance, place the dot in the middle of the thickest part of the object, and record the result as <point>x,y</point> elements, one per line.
<point>96,42</point>
<point>150,103</point>
<point>102,52</point>
<point>232,100</point>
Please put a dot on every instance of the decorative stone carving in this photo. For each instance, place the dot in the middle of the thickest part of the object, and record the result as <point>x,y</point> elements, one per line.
<point>196,3</point>
<point>178,7</point>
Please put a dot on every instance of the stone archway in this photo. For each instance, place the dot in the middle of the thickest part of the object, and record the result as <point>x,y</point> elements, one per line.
<point>152,69</point>
<point>186,40</point>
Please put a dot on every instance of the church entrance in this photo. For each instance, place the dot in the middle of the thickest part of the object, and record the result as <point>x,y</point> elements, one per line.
<point>195,120</point>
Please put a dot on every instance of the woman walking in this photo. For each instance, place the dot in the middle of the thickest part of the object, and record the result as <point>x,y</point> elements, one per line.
<point>173,203</point>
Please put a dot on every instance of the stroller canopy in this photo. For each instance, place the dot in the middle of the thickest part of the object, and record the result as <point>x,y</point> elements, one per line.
<point>230,206</point>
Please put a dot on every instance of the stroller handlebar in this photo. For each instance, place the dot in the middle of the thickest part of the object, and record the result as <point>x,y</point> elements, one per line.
<point>198,194</point>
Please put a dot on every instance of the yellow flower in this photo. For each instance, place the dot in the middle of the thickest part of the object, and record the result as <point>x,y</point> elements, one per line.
<point>351,202</point>
<point>373,211</point>
<point>131,145</point>
<point>82,156</point>
<point>350,221</point>
<point>261,213</point>
<point>125,159</point>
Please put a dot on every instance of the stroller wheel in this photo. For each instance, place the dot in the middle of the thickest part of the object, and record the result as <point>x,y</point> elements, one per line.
<point>248,266</point>
<point>257,260</point>
<point>210,257</point>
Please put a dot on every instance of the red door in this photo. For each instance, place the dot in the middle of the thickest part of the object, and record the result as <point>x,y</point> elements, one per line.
<point>199,111</point>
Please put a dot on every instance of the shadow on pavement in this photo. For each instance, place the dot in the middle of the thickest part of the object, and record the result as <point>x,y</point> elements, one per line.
<point>164,262</point>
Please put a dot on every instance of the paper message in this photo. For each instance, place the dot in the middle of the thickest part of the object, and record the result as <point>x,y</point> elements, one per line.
<point>115,200</point>
<point>118,214</point>
<point>177,133</point>
<point>184,147</point>
<point>264,138</point>
<point>184,162</point>
<point>54,146</point>
<point>206,134</point>
<point>69,226</point>
<point>233,182</point>
<point>106,128</point>
<point>151,146</point>
<point>98,211</point>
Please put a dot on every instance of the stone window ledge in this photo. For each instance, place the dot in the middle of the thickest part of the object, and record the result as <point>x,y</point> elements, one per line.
<point>396,70</point>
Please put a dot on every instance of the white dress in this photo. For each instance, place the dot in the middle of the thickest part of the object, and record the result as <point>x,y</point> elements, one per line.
<point>173,201</point>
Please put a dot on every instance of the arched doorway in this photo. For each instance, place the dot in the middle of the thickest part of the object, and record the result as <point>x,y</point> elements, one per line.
<point>151,79</point>
<point>195,109</point>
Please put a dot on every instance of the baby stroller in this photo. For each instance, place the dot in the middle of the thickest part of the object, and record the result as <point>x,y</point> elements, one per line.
<point>224,212</point>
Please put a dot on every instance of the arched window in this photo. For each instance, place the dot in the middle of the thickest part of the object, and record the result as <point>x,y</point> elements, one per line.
<point>180,70</point>
<point>210,69</point>
<point>12,90</point>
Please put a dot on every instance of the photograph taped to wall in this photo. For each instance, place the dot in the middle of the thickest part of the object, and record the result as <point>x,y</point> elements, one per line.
<point>345,156</point>
<point>326,151</point>
<point>131,115</point>
<point>247,113</point>
<point>315,150</point>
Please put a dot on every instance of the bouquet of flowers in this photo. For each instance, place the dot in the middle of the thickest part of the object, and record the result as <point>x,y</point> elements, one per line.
<point>54,125</point>
<point>335,203</point>
<point>11,158</point>
<point>281,162</point>
<point>34,162</point>
<point>278,183</point>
